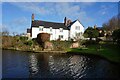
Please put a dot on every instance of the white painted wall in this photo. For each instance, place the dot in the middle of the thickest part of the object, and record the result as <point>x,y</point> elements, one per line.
<point>73,29</point>
<point>35,32</point>
<point>54,33</point>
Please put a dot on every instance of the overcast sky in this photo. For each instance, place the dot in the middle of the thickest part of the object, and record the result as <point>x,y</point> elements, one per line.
<point>16,16</point>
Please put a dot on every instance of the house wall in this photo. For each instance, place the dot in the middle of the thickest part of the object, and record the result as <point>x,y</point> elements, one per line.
<point>54,33</point>
<point>28,35</point>
<point>35,32</point>
<point>73,30</point>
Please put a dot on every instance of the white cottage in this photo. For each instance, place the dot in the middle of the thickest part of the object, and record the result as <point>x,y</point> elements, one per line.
<point>63,31</point>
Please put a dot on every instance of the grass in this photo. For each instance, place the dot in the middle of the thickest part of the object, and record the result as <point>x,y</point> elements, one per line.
<point>109,51</point>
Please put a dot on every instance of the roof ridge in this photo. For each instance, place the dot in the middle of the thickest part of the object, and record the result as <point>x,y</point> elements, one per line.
<point>49,21</point>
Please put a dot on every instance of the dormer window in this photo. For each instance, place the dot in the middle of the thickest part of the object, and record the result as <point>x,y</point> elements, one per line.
<point>61,29</point>
<point>77,27</point>
<point>41,28</point>
<point>50,29</point>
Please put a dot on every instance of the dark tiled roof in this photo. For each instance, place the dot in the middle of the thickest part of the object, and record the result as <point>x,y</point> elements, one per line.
<point>99,28</point>
<point>69,26</point>
<point>54,25</point>
<point>72,23</point>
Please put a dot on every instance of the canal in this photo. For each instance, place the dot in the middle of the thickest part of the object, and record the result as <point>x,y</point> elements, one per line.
<point>17,64</point>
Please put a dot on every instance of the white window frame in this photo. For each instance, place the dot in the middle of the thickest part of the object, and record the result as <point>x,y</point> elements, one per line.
<point>77,27</point>
<point>41,28</point>
<point>50,29</point>
<point>61,29</point>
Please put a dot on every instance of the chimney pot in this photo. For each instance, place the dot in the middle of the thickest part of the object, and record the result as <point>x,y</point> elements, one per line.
<point>33,17</point>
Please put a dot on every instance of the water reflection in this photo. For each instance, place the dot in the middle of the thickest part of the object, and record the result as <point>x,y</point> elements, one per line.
<point>33,64</point>
<point>71,66</point>
<point>68,66</point>
<point>48,65</point>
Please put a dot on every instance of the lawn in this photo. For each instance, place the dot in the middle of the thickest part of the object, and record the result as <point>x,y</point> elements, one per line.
<point>109,51</point>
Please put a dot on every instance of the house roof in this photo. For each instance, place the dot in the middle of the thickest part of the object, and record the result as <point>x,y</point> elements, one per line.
<point>54,25</point>
<point>69,26</point>
<point>99,28</point>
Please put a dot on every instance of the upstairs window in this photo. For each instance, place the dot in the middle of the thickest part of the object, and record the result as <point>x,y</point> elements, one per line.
<point>61,29</point>
<point>41,28</point>
<point>50,29</point>
<point>77,28</point>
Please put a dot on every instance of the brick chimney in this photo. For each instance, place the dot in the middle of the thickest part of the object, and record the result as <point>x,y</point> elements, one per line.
<point>68,22</point>
<point>32,17</point>
<point>65,21</point>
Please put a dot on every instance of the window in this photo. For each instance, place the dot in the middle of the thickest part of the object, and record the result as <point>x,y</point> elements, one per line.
<point>77,27</point>
<point>61,29</point>
<point>41,28</point>
<point>50,29</point>
<point>78,34</point>
<point>60,36</point>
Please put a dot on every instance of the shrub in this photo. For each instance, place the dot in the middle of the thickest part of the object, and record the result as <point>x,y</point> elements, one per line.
<point>61,45</point>
<point>116,35</point>
<point>42,38</point>
<point>90,42</point>
<point>23,38</point>
<point>29,43</point>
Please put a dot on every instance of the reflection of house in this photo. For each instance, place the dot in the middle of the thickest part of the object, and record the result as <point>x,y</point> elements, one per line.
<point>33,64</point>
<point>63,31</point>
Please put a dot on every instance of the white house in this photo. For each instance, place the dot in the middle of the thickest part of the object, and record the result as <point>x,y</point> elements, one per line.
<point>63,31</point>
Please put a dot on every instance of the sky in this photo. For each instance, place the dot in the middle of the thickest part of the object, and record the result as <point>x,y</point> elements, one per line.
<point>16,16</point>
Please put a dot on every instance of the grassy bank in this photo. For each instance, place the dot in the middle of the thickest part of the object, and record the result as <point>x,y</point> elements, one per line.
<point>23,44</point>
<point>19,43</point>
<point>108,51</point>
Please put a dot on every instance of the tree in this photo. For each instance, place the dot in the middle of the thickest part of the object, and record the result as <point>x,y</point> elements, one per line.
<point>5,32</point>
<point>116,35</point>
<point>112,24</point>
<point>102,34</point>
<point>91,33</point>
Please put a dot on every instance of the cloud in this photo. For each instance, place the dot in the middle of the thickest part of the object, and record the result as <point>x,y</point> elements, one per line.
<point>19,21</point>
<point>62,9</point>
<point>72,11</point>
<point>21,24</point>
<point>103,13</point>
<point>105,8</point>
<point>16,25</point>
<point>32,7</point>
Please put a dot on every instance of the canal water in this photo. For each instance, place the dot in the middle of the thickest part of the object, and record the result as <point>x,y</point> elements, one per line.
<point>17,64</point>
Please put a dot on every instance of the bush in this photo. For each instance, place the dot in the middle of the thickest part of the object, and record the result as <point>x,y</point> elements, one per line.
<point>29,43</point>
<point>90,42</point>
<point>22,38</point>
<point>61,45</point>
<point>91,33</point>
<point>116,35</point>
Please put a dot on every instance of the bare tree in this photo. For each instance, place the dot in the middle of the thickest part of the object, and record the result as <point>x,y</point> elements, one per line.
<point>5,32</point>
<point>112,24</point>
